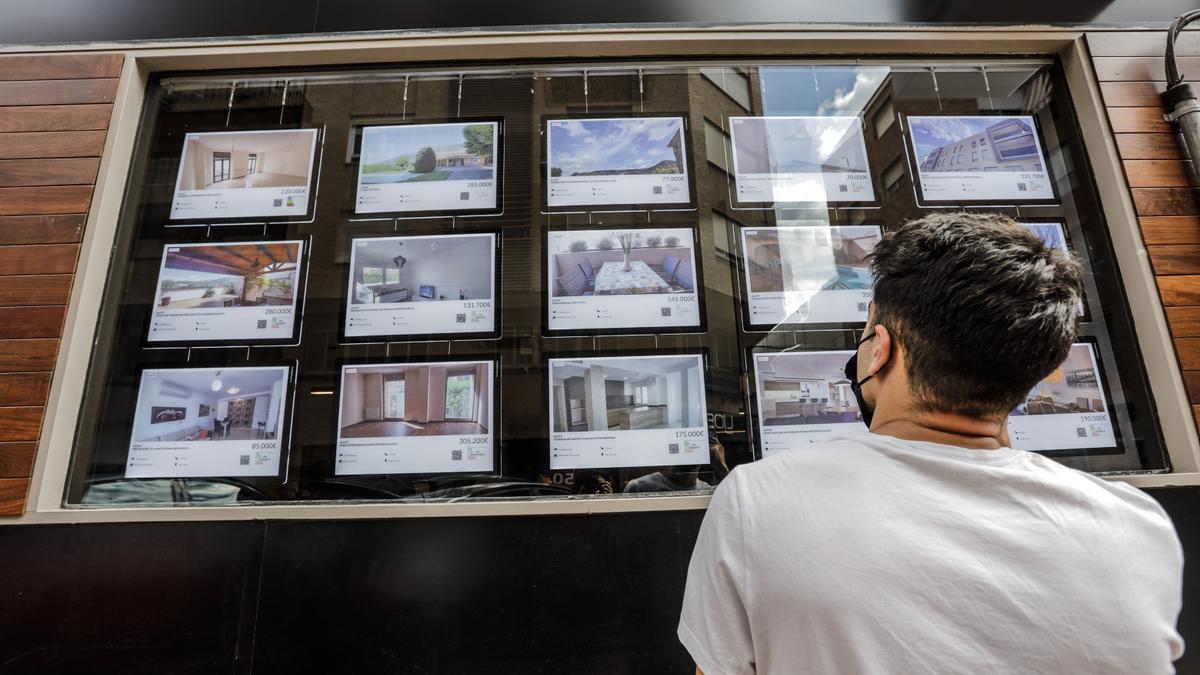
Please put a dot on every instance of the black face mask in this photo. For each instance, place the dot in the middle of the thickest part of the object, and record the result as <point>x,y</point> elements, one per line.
<point>856,384</point>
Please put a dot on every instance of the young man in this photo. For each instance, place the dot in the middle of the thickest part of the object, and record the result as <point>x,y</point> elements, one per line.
<point>929,545</point>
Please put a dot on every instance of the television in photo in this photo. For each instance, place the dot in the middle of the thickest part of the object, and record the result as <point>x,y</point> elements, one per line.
<point>428,167</point>
<point>416,418</point>
<point>616,161</point>
<point>627,411</point>
<point>1053,236</point>
<point>622,279</point>
<point>1068,410</point>
<point>422,285</point>
<point>208,422</point>
<point>227,292</point>
<point>244,174</point>
<point>800,160</point>
<point>803,398</point>
<point>808,275</point>
<point>979,158</point>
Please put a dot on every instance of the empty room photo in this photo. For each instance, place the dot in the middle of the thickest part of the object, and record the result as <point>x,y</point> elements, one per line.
<point>228,275</point>
<point>653,392</point>
<point>809,258</point>
<point>1074,387</point>
<point>422,269</point>
<point>621,262</point>
<point>250,159</point>
<point>439,399</point>
<point>805,388</point>
<point>209,404</point>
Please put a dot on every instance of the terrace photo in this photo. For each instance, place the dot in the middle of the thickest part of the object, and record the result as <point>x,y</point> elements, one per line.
<point>809,258</point>
<point>621,262</point>
<point>984,143</point>
<point>246,160</point>
<point>797,388</point>
<point>422,269</point>
<point>438,399</point>
<point>616,147</point>
<point>228,275</point>
<point>652,392</point>
<point>417,153</point>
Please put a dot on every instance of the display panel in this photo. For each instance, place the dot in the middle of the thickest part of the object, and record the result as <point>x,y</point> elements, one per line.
<point>1068,410</point>
<point>807,275</point>
<point>402,418</point>
<point>627,411</point>
<point>1052,235</point>
<point>244,291</point>
<point>616,161</point>
<point>800,160</point>
<point>208,422</point>
<point>803,398</point>
<point>422,285</point>
<point>245,174</point>
<point>446,168</point>
<point>604,280</point>
<point>990,158</point>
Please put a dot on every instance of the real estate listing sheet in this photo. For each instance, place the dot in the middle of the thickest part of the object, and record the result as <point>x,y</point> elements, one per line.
<point>416,418</point>
<point>800,160</point>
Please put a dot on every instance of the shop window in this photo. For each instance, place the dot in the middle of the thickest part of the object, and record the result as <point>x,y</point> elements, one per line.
<point>443,284</point>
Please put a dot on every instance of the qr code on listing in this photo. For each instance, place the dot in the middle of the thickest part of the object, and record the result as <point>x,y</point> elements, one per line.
<point>862,306</point>
<point>456,455</point>
<point>672,448</point>
<point>460,318</point>
<point>843,188</point>
<point>244,460</point>
<point>464,196</point>
<point>658,189</point>
<point>666,311</point>
<point>262,323</point>
<point>1021,187</point>
<point>1081,432</point>
<point>277,203</point>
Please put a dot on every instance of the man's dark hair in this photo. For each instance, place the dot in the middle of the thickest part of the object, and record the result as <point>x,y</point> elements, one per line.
<point>981,308</point>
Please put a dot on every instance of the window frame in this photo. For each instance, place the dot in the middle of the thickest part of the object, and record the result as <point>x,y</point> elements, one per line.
<point>628,44</point>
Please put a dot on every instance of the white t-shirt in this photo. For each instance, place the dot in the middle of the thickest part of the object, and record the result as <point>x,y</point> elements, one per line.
<point>869,554</point>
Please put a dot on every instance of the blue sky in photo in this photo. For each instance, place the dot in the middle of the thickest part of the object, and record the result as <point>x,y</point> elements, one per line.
<point>930,133</point>
<point>1050,234</point>
<point>806,90</point>
<point>591,145</point>
<point>384,143</point>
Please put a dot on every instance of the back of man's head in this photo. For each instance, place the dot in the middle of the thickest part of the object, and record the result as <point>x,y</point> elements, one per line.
<point>981,308</point>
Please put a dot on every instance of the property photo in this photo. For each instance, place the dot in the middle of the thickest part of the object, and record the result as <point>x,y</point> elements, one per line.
<point>434,399</point>
<point>247,159</point>
<point>203,276</point>
<point>1074,387</point>
<point>209,404</point>
<point>982,143</point>
<point>616,147</point>
<point>414,153</point>
<point>789,145</point>
<point>422,269</point>
<point>621,262</point>
<point>651,392</point>
<point>809,258</point>
<point>805,388</point>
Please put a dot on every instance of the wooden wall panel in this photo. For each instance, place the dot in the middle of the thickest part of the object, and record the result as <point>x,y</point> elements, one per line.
<point>1166,193</point>
<point>54,116</point>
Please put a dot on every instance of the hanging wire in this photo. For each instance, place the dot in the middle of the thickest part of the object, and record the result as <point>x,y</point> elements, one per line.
<point>988,86</point>
<point>229,105</point>
<point>937,92</point>
<point>283,100</point>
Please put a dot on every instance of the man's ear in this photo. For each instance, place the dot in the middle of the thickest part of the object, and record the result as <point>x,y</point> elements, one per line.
<point>881,350</point>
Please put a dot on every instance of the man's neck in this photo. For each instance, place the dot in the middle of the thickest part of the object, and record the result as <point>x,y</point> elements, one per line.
<point>974,433</point>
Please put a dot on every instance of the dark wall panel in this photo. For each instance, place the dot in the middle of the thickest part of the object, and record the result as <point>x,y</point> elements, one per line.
<point>591,594</point>
<point>125,598</point>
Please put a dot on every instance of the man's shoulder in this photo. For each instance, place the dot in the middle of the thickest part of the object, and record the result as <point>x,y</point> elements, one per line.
<point>813,464</point>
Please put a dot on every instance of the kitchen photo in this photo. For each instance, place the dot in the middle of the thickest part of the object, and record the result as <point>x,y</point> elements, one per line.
<point>797,388</point>
<point>422,269</point>
<point>627,393</point>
